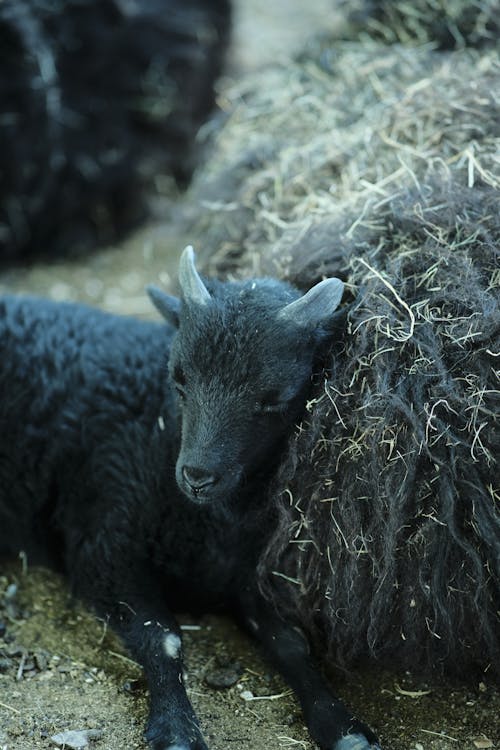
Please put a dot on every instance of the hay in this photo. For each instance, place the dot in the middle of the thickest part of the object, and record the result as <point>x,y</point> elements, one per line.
<point>445,23</point>
<point>380,164</point>
<point>101,104</point>
<point>345,127</point>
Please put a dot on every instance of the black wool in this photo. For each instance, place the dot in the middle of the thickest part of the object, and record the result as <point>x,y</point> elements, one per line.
<point>389,521</point>
<point>99,98</point>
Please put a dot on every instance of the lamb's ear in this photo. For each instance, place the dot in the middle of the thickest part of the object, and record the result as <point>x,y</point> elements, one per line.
<point>193,288</point>
<point>167,305</point>
<point>316,307</point>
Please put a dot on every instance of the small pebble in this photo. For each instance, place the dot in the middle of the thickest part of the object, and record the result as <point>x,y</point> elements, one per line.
<point>5,664</point>
<point>11,591</point>
<point>41,661</point>
<point>483,743</point>
<point>132,686</point>
<point>224,677</point>
<point>76,739</point>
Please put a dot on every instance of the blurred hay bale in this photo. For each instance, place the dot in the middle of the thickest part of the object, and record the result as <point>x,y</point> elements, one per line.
<point>446,23</point>
<point>100,102</point>
<point>344,128</point>
<point>380,164</point>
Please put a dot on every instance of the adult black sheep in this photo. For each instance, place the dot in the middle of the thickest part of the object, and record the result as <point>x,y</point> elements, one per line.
<point>98,98</point>
<point>389,492</point>
<point>90,432</point>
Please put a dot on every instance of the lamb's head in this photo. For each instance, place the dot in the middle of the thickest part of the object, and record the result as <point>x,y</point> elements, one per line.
<point>241,362</point>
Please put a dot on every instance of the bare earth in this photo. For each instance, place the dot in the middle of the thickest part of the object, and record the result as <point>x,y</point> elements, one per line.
<point>60,669</point>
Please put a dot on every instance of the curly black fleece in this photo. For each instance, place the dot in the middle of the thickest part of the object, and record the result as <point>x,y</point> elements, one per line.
<point>99,97</point>
<point>389,533</point>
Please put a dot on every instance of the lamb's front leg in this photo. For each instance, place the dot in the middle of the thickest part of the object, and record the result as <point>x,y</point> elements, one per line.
<point>154,639</point>
<point>133,604</point>
<point>330,723</point>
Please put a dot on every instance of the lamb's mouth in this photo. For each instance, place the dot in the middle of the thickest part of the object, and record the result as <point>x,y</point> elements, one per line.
<point>219,489</point>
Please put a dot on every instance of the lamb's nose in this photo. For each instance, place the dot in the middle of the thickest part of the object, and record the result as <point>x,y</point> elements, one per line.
<point>198,479</point>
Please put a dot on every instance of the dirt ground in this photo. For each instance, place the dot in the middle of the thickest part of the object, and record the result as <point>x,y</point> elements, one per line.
<point>60,669</point>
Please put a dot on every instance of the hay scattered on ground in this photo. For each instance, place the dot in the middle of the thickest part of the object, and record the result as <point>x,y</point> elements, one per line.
<point>380,164</point>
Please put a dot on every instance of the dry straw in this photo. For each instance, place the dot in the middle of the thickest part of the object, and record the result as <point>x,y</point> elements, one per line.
<point>445,23</point>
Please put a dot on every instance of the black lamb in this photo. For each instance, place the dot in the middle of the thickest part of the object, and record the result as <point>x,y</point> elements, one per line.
<point>136,457</point>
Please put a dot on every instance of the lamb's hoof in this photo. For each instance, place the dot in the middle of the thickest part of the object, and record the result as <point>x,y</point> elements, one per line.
<point>355,742</point>
<point>178,744</point>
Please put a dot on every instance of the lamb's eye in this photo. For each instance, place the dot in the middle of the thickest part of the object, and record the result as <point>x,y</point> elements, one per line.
<point>270,403</point>
<point>178,376</point>
<point>179,380</point>
<point>272,408</point>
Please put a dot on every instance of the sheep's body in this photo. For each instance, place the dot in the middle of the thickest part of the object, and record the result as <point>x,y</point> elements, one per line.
<point>99,98</point>
<point>395,475</point>
<point>90,432</point>
<point>69,373</point>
